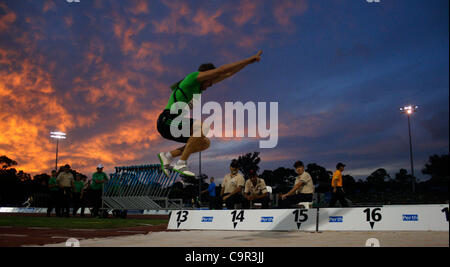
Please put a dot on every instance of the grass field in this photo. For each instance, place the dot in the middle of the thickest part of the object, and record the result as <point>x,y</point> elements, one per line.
<point>76,223</point>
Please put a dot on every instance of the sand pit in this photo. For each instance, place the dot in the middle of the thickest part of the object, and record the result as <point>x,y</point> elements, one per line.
<point>269,239</point>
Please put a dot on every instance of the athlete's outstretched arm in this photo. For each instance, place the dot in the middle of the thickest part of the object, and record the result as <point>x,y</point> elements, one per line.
<point>223,70</point>
<point>228,75</point>
<point>235,70</point>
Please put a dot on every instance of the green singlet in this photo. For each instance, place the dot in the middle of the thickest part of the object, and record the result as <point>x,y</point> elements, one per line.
<point>189,87</point>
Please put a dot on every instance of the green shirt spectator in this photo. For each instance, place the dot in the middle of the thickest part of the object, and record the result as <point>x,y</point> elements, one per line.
<point>78,186</point>
<point>97,180</point>
<point>53,182</point>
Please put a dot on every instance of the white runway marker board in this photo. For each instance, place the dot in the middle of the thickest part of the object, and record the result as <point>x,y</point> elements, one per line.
<point>244,220</point>
<point>385,218</point>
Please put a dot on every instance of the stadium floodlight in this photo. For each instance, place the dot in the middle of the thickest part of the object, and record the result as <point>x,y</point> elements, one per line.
<point>409,110</point>
<point>57,136</point>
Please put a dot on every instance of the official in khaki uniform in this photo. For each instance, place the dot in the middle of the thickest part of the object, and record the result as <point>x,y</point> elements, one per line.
<point>303,190</point>
<point>256,191</point>
<point>65,181</point>
<point>233,186</point>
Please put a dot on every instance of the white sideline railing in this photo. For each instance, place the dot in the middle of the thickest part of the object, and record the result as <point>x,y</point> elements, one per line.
<point>142,187</point>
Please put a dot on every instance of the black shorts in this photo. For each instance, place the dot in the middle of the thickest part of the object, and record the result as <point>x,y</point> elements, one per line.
<point>164,125</point>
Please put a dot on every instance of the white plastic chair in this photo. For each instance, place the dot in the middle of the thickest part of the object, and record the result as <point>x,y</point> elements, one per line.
<point>259,205</point>
<point>305,205</point>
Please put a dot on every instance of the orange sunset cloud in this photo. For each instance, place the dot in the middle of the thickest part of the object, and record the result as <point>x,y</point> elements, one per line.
<point>103,78</point>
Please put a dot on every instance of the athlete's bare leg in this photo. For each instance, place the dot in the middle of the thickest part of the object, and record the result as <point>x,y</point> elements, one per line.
<point>177,152</point>
<point>194,145</point>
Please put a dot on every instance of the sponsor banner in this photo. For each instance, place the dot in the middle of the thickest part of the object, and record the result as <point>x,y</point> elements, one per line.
<point>23,210</point>
<point>32,210</point>
<point>267,219</point>
<point>86,211</point>
<point>336,219</point>
<point>157,212</point>
<point>208,219</point>
<point>410,217</point>
<point>244,220</point>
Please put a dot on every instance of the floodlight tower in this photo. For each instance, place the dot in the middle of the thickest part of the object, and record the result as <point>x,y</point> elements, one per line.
<point>409,110</point>
<point>57,136</point>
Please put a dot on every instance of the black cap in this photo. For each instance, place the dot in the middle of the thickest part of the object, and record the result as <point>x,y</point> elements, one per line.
<point>252,173</point>
<point>299,164</point>
<point>339,165</point>
<point>234,164</point>
<point>206,67</point>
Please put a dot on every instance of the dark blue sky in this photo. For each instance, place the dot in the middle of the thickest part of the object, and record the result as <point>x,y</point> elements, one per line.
<point>339,70</point>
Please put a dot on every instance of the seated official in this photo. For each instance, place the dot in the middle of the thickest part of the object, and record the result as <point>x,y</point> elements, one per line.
<point>256,191</point>
<point>303,190</point>
<point>233,185</point>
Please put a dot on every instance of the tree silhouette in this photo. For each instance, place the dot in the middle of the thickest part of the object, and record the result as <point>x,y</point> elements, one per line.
<point>23,176</point>
<point>402,177</point>
<point>378,177</point>
<point>349,183</point>
<point>320,176</point>
<point>247,162</point>
<point>281,179</point>
<point>269,178</point>
<point>437,168</point>
<point>6,162</point>
<point>14,185</point>
<point>376,180</point>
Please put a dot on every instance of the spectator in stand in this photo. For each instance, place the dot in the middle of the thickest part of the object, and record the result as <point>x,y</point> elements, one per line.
<point>211,194</point>
<point>65,181</point>
<point>77,195</point>
<point>303,190</point>
<point>98,179</point>
<point>54,199</point>
<point>233,186</point>
<point>256,191</point>
<point>338,191</point>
